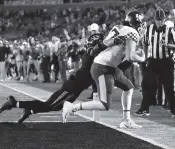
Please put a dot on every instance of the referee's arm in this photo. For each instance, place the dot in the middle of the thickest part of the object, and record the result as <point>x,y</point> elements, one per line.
<point>145,49</point>
<point>146,43</point>
<point>172,39</point>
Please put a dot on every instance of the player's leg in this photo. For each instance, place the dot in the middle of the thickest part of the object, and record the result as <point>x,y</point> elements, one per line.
<point>35,106</point>
<point>122,82</point>
<point>149,88</point>
<point>58,104</point>
<point>9,104</point>
<point>105,85</point>
<point>28,106</point>
<point>94,90</point>
<point>167,78</point>
<point>29,64</point>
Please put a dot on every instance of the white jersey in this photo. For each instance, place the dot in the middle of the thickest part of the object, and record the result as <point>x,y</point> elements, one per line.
<point>113,55</point>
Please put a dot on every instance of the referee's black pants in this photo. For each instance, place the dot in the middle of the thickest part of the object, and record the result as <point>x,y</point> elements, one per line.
<point>54,103</point>
<point>164,69</point>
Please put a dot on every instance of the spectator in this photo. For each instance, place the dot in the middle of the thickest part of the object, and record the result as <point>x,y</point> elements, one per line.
<point>4,51</point>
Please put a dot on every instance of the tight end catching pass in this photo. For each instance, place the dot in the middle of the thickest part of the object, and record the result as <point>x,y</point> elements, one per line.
<point>70,89</point>
<point>105,66</point>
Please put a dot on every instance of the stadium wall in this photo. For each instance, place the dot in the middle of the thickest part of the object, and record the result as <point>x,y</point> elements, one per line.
<point>50,7</point>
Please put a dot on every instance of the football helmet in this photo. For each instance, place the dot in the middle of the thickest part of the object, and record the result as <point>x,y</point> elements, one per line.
<point>134,19</point>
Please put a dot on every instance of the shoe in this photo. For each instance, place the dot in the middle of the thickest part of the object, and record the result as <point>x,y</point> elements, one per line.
<point>142,113</point>
<point>26,114</point>
<point>27,79</point>
<point>9,104</point>
<point>21,78</point>
<point>67,110</point>
<point>18,78</point>
<point>166,107</point>
<point>130,124</point>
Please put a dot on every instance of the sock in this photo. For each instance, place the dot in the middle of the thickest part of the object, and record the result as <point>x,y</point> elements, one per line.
<point>77,107</point>
<point>31,111</point>
<point>126,114</point>
<point>17,104</point>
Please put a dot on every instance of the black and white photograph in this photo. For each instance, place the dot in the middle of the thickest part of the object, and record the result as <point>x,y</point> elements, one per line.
<point>87,74</point>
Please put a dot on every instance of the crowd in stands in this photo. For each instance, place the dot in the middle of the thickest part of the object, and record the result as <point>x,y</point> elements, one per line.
<point>25,2</point>
<point>30,2</point>
<point>55,33</point>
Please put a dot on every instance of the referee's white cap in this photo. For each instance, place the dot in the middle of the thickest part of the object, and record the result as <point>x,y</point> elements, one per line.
<point>94,27</point>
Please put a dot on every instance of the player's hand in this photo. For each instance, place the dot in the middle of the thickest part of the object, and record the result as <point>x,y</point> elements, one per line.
<point>140,52</point>
<point>93,51</point>
<point>163,43</point>
<point>71,76</point>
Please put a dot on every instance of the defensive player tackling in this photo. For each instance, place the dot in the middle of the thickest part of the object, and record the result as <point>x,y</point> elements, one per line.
<point>105,66</point>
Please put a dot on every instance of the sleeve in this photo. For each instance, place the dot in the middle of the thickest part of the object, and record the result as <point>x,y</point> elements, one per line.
<point>113,33</point>
<point>172,35</point>
<point>133,36</point>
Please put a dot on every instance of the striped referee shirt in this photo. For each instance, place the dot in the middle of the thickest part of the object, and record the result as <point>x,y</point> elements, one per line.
<point>154,38</point>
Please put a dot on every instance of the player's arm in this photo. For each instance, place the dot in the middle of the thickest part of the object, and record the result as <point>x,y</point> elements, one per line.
<point>113,38</point>
<point>130,51</point>
<point>145,48</point>
<point>108,42</point>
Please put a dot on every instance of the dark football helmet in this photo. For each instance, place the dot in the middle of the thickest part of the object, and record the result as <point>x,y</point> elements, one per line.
<point>134,19</point>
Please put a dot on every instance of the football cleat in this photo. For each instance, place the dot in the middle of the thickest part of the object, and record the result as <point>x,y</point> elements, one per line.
<point>9,104</point>
<point>26,114</point>
<point>129,124</point>
<point>142,113</point>
<point>67,110</point>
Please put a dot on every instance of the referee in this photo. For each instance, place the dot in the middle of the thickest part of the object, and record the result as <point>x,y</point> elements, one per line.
<point>159,63</point>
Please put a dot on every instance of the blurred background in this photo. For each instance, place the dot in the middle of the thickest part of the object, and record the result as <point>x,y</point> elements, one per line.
<point>43,40</point>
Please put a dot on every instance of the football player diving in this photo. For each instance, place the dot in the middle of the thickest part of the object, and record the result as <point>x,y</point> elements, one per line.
<point>70,89</point>
<point>104,70</point>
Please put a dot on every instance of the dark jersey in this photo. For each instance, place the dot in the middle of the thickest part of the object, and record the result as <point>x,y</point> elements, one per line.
<point>82,79</point>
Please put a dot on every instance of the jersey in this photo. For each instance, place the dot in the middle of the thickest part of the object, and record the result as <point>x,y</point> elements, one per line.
<point>113,55</point>
<point>82,78</point>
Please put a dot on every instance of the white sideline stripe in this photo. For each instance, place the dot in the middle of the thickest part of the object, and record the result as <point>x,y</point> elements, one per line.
<point>99,122</point>
<point>28,121</point>
<point>12,88</point>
